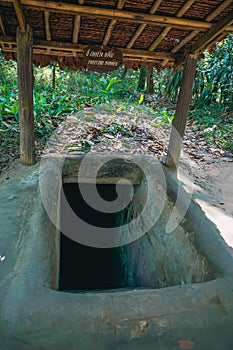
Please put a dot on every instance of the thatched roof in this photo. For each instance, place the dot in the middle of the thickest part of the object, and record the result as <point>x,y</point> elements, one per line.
<point>156,33</point>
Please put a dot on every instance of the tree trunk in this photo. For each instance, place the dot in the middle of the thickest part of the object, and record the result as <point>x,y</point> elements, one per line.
<point>179,121</point>
<point>54,76</point>
<point>25,86</point>
<point>142,79</point>
<point>150,83</point>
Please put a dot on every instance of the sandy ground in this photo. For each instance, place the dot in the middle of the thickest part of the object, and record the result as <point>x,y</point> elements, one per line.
<point>221,174</point>
<point>213,192</point>
<point>215,178</point>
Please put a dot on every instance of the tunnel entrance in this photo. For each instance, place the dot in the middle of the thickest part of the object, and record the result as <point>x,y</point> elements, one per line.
<point>155,260</point>
<point>88,268</point>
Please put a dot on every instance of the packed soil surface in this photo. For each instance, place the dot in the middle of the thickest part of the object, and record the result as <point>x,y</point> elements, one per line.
<point>136,132</point>
<point>214,177</point>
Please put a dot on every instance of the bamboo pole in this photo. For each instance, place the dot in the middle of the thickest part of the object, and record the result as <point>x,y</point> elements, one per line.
<point>25,86</point>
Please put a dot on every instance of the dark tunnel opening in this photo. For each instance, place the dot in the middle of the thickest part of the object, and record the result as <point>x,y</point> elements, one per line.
<point>154,260</point>
<point>83,267</point>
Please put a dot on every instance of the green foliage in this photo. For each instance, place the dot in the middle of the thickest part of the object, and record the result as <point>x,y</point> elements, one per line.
<point>214,80</point>
<point>8,103</point>
<point>58,93</point>
<point>213,83</point>
<point>210,117</point>
<point>8,73</point>
<point>110,86</point>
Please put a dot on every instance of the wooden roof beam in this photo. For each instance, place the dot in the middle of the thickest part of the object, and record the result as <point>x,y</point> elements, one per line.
<point>135,17</point>
<point>211,34</point>
<point>209,18</point>
<point>2,25</point>
<point>112,24</point>
<point>47,27</point>
<point>109,32</point>
<point>160,38</point>
<point>147,54</point>
<point>208,38</point>
<point>69,53</point>
<point>20,15</point>
<point>77,23</point>
<point>166,30</point>
<point>155,6</point>
<point>62,46</point>
<point>218,10</point>
<point>165,62</point>
<point>183,42</point>
<point>136,35</point>
<point>141,28</point>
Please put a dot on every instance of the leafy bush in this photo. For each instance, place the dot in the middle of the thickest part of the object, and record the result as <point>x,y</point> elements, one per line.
<point>58,93</point>
<point>214,80</point>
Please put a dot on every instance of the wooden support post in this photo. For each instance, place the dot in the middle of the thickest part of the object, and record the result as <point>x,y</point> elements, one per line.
<point>25,86</point>
<point>179,121</point>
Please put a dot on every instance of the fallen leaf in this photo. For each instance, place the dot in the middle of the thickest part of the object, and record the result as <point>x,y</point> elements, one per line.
<point>90,137</point>
<point>73,149</point>
<point>185,344</point>
<point>55,123</point>
<point>108,136</point>
<point>117,145</point>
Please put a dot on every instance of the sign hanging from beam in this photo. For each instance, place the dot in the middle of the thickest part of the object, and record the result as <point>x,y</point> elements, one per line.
<point>102,59</point>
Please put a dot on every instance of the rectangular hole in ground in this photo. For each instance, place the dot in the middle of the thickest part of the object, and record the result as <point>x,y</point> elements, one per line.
<point>83,267</point>
<point>156,260</point>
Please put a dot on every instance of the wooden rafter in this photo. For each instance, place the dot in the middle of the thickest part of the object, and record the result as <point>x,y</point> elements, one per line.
<point>209,18</point>
<point>155,6</point>
<point>63,48</point>
<point>218,10</point>
<point>135,17</point>
<point>166,30</point>
<point>136,35</point>
<point>111,26</point>
<point>47,26</point>
<point>183,42</point>
<point>141,28</point>
<point>2,25</point>
<point>165,62</point>
<point>211,34</point>
<point>77,23</point>
<point>20,15</point>
<point>147,54</point>
<point>109,31</point>
<point>160,38</point>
